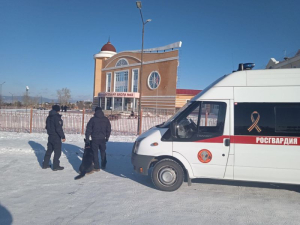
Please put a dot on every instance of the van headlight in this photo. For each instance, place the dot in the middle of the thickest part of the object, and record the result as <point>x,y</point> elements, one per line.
<point>137,144</point>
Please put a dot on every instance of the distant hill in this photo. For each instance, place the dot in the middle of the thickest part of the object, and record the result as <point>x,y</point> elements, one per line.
<point>8,99</point>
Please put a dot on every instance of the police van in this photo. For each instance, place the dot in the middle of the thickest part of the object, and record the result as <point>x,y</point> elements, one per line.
<point>244,126</point>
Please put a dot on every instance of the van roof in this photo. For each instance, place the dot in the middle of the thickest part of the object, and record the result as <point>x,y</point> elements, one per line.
<point>262,78</point>
<point>257,78</point>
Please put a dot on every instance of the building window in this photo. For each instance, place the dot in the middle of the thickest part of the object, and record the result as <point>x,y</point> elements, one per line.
<point>122,62</point>
<point>135,80</point>
<point>154,80</point>
<point>108,82</point>
<point>121,81</point>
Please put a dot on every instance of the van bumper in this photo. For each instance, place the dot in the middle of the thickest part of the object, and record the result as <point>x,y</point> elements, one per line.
<point>141,163</point>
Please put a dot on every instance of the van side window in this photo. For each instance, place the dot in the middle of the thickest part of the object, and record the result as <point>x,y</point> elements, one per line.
<point>287,119</point>
<point>267,119</point>
<point>212,119</point>
<point>202,120</point>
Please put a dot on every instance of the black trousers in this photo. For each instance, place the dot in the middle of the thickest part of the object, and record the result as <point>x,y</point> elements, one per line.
<point>96,145</point>
<point>54,144</point>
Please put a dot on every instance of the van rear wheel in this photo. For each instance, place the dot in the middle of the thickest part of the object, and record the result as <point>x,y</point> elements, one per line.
<point>167,175</point>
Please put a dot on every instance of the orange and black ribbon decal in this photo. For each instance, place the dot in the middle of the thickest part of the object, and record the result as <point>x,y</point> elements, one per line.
<point>255,122</point>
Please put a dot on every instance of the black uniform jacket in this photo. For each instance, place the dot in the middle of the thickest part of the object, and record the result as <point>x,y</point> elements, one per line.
<point>54,125</point>
<point>98,127</point>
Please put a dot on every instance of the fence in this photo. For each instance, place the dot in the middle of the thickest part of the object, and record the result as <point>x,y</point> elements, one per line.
<point>74,122</point>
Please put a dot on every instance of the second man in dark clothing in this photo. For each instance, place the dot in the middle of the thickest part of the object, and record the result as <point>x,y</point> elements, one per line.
<point>56,134</point>
<point>99,129</point>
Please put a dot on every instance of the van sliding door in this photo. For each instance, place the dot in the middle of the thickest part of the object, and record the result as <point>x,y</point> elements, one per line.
<point>267,141</point>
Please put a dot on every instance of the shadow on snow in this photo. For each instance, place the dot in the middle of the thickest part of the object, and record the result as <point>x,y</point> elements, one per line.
<point>118,159</point>
<point>5,216</point>
<point>118,156</point>
<point>39,151</point>
<point>237,183</point>
<point>71,151</point>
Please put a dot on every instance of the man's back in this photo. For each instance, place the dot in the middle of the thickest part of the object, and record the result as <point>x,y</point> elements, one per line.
<point>54,124</point>
<point>98,127</point>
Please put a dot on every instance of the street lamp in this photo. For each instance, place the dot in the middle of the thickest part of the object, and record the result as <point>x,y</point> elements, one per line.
<point>1,94</point>
<point>12,98</point>
<point>27,88</point>
<point>139,6</point>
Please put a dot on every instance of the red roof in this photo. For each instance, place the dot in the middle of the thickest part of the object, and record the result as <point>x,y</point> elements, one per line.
<point>187,91</point>
<point>108,47</point>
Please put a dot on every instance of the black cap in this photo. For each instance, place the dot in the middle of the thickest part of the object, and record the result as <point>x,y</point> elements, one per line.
<point>56,108</point>
<point>98,108</point>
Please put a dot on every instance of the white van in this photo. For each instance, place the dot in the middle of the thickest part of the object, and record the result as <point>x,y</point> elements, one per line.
<point>244,126</point>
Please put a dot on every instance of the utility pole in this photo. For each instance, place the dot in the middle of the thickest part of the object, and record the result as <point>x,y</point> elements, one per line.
<point>139,6</point>
<point>1,94</point>
<point>27,88</point>
<point>12,98</point>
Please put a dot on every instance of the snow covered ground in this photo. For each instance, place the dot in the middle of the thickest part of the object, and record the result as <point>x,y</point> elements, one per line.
<point>31,195</point>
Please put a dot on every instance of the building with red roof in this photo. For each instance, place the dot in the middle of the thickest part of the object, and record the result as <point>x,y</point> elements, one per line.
<point>184,95</point>
<point>116,79</point>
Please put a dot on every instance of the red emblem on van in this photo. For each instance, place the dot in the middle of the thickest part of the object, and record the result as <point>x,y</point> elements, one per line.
<point>204,156</point>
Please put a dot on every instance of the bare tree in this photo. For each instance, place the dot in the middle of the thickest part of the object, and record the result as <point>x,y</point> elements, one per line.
<point>80,104</point>
<point>35,101</point>
<point>88,105</point>
<point>18,104</point>
<point>26,99</point>
<point>63,96</point>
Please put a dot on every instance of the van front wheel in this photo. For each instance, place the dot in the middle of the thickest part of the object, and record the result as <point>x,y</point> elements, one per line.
<point>167,175</point>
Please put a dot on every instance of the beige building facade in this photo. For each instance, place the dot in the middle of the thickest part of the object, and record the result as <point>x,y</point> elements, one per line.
<point>116,78</point>
<point>184,95</point>
<point>292,62</point>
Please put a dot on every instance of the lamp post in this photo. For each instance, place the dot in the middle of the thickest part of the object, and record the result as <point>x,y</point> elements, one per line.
<point>139,6</point>
<point>12,98</point>
<point>27,88</point>
<point>1,94</point>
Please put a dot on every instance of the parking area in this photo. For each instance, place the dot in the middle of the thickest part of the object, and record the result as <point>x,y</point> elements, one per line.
<point>30,195</point>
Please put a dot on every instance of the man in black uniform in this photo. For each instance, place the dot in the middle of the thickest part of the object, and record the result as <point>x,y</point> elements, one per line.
<point>56,136</point>
<point>99,128</point>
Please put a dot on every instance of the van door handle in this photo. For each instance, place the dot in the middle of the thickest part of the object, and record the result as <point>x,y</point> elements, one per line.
<point>226,141</point>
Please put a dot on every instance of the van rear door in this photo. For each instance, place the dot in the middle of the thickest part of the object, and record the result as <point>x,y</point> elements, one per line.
<point>201,135</point>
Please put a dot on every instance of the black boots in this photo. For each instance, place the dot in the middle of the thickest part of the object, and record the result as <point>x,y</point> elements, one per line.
<point>46,167</point>
<point>58,168</point>
<point>54,169</point>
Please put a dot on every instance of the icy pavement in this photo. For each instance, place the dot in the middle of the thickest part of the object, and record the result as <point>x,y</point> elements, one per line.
<point>31,195</point>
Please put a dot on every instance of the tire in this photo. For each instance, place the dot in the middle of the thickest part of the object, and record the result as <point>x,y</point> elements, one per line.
<point>167,175</point>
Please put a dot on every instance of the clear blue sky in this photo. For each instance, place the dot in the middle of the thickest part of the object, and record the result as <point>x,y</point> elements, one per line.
<point>49,44</point>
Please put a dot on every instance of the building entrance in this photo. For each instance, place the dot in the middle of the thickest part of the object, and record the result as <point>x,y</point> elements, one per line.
<point>118,104</point>
<point>108,103</point>
<point>119,101</point>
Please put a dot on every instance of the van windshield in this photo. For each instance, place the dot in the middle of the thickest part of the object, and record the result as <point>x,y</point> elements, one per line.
<point>194,99</point>
<point>165,124</point>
